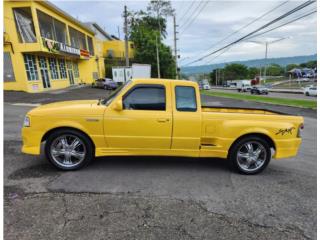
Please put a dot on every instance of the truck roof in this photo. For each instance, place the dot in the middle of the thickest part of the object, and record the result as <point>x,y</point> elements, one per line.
<point>161,80</point>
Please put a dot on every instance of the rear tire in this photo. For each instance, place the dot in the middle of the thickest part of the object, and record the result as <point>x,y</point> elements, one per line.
<point>68,149</point>
<point>246,161</point>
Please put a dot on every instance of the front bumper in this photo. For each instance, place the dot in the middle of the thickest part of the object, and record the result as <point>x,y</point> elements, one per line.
<point>287,148</point>
<point>31,141</point>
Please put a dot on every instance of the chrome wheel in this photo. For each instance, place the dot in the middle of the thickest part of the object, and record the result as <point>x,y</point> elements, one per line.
<point>251,156</point>
<point>68,150</point>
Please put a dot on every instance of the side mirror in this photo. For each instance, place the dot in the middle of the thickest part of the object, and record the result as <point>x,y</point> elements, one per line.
<point>118,106</point>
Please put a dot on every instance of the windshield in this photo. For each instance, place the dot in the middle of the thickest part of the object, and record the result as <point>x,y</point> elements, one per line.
<point>109,99</point>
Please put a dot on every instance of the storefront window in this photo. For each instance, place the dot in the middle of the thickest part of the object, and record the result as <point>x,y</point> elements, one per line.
<point>31,67</point>
<point>77,39</point>
<point>8,74</point>
<point>61,32</point>
<point>90,45</point>
<point>53,68</point>
<point>62,66</point>
<point>24,25</point>
<point>51,28</point>
<point>76,70</point>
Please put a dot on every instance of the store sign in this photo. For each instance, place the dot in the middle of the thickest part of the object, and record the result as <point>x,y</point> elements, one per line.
<point>67,49</point>
<point>84,54</point>
<point>57,47</point>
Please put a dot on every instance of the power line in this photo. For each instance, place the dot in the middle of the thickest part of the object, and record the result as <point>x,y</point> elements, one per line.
<point>204,5</point>
<point>282,25</point>
<point>248,24</point>
<point>305,4</point>
<point>188,10</point>
<point>182,25</point>
<point>293,20</point>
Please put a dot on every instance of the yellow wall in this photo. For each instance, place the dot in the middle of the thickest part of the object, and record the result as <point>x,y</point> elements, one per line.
<point>86,66</point>
<point>118,48</point>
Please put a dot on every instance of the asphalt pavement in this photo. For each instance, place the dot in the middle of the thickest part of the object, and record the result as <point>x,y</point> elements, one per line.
<point>155,197</point>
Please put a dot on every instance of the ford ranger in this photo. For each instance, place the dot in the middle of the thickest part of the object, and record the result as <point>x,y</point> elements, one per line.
<point>163,118</point>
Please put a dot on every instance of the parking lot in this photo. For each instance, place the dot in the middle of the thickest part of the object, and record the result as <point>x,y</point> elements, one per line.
<point>155,197</point>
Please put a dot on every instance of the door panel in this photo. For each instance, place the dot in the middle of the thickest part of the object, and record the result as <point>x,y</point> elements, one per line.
<point>44,72</point>
<point>70,72</point>
<point>138,129</point>
<point>134,128</point>
<point>186,133</point>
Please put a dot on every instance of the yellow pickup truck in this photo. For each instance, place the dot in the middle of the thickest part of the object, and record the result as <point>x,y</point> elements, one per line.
<point>163,118</point>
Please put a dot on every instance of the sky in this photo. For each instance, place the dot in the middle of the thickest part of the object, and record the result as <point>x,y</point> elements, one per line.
<point>203,24</point>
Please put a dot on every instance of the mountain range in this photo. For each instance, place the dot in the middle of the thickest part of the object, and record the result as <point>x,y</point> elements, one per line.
<point>282,61</point>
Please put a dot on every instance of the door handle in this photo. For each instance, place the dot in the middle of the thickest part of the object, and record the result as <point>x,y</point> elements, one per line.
<point>163,120</point>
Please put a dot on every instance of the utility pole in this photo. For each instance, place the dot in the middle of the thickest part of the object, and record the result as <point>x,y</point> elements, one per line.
<point>265,63</point>
<point>175,44</point>
<point>157,44</point>
<point>216,77</point>
<point>158,60</point>
<point>126,35</point>
<point>267,43</point>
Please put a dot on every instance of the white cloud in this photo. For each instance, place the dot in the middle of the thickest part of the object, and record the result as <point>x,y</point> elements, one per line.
<point>217,20</point>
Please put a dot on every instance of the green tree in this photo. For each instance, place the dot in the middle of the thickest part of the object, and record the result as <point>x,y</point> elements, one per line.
<point>235,71</point>
<point>311,64</point>
<point>291,66</point>
<point>143,31</point>
<point>274,70</point>
<point>253,72</point>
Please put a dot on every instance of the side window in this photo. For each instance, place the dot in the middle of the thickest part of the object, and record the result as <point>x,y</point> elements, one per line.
<point>186,99</point>
<point>145,97</point>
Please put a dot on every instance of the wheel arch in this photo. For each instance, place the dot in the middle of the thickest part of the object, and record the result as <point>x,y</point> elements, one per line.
<point>261,135</point>
<point>48,133</point>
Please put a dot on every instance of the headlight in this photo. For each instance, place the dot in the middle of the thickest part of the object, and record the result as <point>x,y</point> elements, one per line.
<point>26,121</point>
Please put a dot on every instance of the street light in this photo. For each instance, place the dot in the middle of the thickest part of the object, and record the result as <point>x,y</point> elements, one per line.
<point>267,43</point>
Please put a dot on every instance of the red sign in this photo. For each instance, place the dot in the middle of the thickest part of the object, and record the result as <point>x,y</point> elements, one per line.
<point>84,53</point>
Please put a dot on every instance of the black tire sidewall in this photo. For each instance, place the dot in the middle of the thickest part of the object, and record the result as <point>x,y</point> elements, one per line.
<point>88,144</point>
<point>232,157</point>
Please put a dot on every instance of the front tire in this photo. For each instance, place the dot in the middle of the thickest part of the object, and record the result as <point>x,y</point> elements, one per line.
<point>68,149</point>
<point>250,155</point>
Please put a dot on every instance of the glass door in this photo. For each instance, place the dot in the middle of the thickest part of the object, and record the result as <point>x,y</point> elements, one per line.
<point>70,72</point>
<point>44,72</point>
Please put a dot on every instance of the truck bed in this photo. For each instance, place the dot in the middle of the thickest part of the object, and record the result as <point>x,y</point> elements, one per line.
<point>239,110</point>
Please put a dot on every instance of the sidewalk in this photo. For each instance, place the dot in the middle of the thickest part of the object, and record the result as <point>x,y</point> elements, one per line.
<point>72,93</point>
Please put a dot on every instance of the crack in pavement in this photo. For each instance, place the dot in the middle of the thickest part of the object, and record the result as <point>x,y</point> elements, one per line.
<point>148,215</point>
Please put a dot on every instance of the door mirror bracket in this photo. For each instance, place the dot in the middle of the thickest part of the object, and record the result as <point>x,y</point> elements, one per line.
<point>118,106</point>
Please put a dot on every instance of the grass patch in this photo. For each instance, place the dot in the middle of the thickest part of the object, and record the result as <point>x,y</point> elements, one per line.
<point>279,101</point>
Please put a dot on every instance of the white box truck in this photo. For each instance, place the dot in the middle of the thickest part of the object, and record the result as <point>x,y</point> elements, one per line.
<point>141,70</point>
<point>124,74</point>
<point>243,85</point>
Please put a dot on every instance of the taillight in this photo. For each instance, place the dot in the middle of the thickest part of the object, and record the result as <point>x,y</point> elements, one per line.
<point>301,127</point>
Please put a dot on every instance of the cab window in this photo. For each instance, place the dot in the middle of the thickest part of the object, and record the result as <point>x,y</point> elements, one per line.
<point>186,100</point>
<point>145,97</point>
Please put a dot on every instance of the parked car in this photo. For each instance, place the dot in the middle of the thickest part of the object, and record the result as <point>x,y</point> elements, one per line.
<point>310,91</point>
<point>163,118</point>
<point>105,83</point>
<point>206,87</point>
<point>259,90</point>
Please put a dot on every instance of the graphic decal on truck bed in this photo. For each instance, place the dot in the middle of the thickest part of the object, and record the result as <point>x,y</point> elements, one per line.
<point>286,130</point>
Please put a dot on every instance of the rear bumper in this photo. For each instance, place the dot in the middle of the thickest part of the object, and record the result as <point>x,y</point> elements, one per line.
<point>287,148</point>
<point>31,141</point>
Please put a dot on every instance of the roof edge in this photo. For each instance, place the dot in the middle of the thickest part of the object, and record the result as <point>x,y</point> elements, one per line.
<point>65,14</point>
